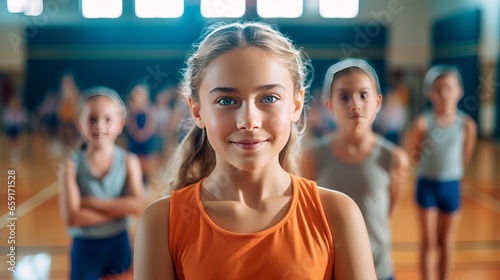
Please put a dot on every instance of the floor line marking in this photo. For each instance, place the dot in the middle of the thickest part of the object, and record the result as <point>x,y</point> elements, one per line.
<point>481,198</point>
<point>31,203</point>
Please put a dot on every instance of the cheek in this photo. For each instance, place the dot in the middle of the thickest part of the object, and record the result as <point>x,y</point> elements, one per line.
<point>281,119</point>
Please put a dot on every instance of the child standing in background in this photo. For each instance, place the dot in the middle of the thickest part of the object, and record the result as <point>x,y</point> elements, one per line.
<point>100,186</point>
<point>141,127</point>
<point>358,162</point>
<point>237,211</point>
<point>15,119</point>
<point>442,142</point>
<point>67,109</point>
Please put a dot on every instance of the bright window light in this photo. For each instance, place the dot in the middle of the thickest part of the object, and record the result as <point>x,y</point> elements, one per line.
<point>28,7</point>
<point>159,8</point>
<point>222,8</point>
<point>16,6</point>
<point>33,267</point>
<point>33,8</point>
<point>279,8</point>
<point>102,8</point>
<point>338,8</point>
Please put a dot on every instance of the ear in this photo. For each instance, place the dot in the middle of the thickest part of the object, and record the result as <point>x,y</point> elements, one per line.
<point>79,127</point>
<point>379,102</point>
<point>298,102</point>
<point>121,126</point>
<point>194,107</point>
<point>329,105</point>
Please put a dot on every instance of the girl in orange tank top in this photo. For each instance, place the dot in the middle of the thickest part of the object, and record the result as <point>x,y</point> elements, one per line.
<point>236,211</point>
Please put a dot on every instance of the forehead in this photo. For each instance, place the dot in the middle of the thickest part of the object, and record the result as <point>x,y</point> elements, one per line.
<point>244,67</point>
<point>100,103</point>
<point>447,78</point>
<point>353,79</point>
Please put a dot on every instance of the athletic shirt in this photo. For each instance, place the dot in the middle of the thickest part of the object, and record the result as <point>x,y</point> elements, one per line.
<point>300,246</point>
<point>368,184</point>
<point>442,150</point>
<point>112,185</point>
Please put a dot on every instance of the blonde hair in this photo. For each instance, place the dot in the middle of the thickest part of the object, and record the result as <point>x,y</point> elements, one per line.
<point>194,158</point>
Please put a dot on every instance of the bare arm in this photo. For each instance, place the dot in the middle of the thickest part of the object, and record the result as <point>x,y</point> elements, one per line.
<point>131,204</point>
<point>353,256</point>
<point>470,140</point>
<point>415,140</point>
<point>399,174</point>
<point>152,259</point>
<point>70,200</point>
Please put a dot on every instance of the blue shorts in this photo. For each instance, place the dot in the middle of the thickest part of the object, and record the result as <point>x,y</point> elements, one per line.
<point>92,258</point>
<point>445,195</point>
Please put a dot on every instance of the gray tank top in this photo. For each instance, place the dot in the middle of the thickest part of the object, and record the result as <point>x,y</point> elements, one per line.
<point>442,150</point>
<point>112,185</point>
<point>368,184</point>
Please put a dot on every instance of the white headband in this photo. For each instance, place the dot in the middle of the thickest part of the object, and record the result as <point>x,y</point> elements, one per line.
<point>344,64</point>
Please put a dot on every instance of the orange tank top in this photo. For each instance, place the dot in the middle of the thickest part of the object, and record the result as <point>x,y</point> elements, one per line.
<point>300,246</point>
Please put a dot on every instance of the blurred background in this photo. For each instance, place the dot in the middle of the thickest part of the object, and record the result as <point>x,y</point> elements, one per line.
<point>52,50</point>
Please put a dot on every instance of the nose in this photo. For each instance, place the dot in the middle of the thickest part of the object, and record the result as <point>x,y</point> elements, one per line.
<point>356,104</point>
<point>99,124</point>
<point>248,117</point>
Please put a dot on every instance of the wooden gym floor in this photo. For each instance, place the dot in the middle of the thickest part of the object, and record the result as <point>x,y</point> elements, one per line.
<point>39,228</point>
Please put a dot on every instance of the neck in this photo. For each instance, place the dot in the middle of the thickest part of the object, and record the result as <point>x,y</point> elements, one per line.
<point>446,112</point>
<point>100,151</point>
<point>356,136</point>
<point>446,115</point>
<point>229,183</point>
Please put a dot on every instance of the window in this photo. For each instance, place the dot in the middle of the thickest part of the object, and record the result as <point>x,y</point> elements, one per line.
<point>102,8</point>
<point>28,7</point>
<point>33,8</point>
<point>16,6</point>
<point>222,8</point>
<point>338,8</point>
<point>159,8</point>
<point>280,8</point>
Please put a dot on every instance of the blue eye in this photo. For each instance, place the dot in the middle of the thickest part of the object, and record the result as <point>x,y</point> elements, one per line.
<point>226,101</point>
<point>269,99</point>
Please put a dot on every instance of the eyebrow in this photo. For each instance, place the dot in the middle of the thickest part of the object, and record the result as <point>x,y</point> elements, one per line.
<point>233,90</point>
<point>362,88</point>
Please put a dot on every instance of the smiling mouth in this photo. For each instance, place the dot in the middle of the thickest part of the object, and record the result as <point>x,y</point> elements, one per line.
<point>98,135</point>
<point>249,145</point>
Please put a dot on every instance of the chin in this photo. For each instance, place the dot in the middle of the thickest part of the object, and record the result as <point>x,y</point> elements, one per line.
<point>248,166</point>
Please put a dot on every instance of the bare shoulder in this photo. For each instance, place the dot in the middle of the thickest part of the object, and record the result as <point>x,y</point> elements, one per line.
<point>400,157</point>
<point>470,125</point>
<point>338,206</point>
<point>352,254</point>
<point>158,210</point>
<point>152,234</point>
<point>420,124</point>
<point>132,159</point>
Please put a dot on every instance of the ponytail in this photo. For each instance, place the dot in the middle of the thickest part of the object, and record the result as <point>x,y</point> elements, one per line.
<point>192,160</point>
<point>289,156</point>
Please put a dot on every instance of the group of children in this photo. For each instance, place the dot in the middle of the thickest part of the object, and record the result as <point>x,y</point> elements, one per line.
<point>238,208</point>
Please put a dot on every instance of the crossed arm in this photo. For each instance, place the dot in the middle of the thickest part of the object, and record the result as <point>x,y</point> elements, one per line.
<point>87,211</point>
